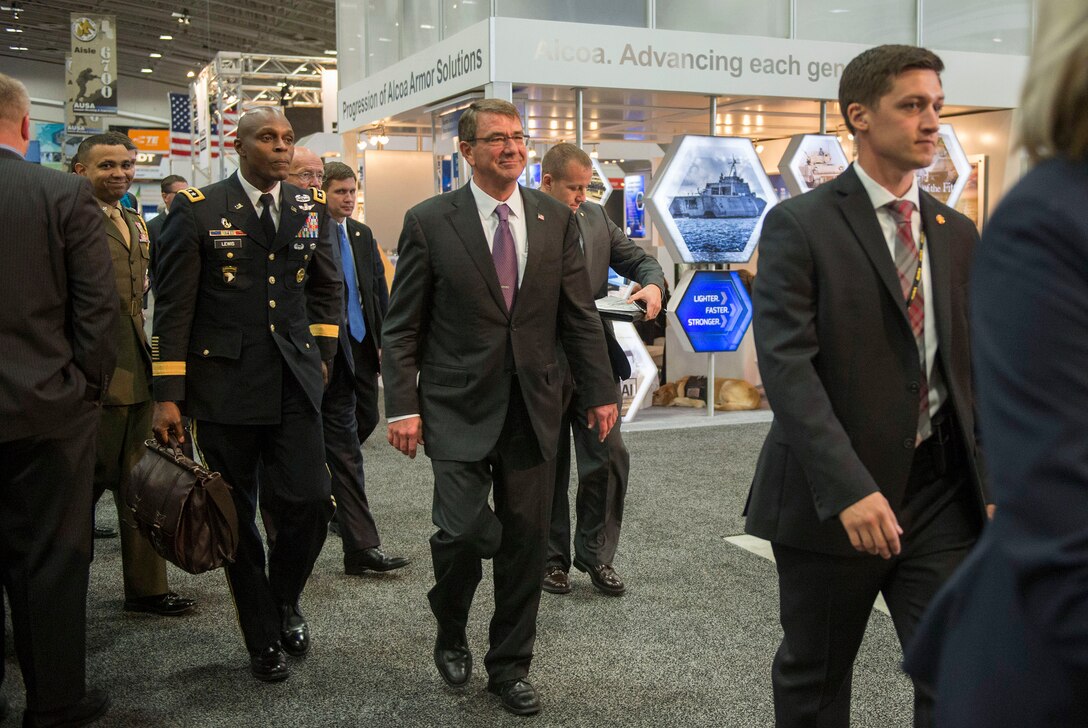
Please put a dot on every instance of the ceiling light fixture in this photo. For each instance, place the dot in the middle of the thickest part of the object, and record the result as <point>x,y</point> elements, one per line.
<point>166,36</point>
<point>190,74</point>
<point>154,55</point>
<point>14,30</point>
<point>18,48</point>
<point>146,70</point>
<point>594,154</point>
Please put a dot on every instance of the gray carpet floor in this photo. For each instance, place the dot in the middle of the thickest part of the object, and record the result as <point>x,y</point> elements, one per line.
<point>690,644</point>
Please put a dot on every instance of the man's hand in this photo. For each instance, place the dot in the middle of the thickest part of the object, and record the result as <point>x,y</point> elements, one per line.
<point>166,421</point>
<point>326,373</point>
<point>604,417</point>
<point>991,509</point>
<point>651,296</point>
<point>406,434</point>
<point>872,526</point>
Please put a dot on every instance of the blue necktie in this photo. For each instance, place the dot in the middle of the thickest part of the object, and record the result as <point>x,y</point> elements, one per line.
<point>356,323</point>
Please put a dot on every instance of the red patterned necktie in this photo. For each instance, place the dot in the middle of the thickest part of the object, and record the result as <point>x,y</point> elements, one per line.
<point>908,265</point>
<point>505,255</point>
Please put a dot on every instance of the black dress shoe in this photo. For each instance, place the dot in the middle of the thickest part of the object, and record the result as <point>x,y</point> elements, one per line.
<point>90,708</point>
<point>295,633</point>
<point>373,559</point>
<point>556,581</point>
<point>517,696</point>
<point>105,532</point>
<point>164,605</point>
<point>603,576</point>
<point>269,664</point>
<point>453,659</point>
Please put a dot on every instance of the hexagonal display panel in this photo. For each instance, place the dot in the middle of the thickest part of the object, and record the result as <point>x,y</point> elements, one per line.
<point>712,310</point>
<point>709,199</point>
<point>599,187</point>
<point>950,171</point>
<point>810,160</point>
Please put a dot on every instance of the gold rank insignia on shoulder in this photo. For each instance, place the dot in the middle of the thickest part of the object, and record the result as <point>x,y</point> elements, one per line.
<point>319,195</point>
<point>940,219</point>
<point>193,194</point>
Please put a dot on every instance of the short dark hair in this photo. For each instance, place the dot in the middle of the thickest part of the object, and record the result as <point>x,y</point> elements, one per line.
<point>466,125</point>
<point>171,180</point>
<point>335,171</point>
<point>109,139</point>
<point>558,157</point>
<point>870,76</point>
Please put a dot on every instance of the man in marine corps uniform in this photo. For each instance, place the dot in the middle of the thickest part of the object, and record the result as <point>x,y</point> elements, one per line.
<point>246,324</point>
<point>109,162</point>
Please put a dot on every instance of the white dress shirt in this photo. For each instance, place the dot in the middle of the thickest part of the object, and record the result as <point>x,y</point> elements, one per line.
<point>254,196</point>
<point>486,204</point>
<point>879,197</point>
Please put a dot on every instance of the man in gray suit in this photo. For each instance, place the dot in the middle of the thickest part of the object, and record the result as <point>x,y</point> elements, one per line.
<point>58,315</point>
<point>869,481</point>
<point>603,467</point>
<point>489,278</point>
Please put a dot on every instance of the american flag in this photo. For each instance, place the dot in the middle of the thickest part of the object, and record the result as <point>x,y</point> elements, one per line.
<point>181,130</point>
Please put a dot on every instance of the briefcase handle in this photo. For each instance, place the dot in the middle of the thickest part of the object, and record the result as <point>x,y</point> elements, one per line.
<point>173,453</point>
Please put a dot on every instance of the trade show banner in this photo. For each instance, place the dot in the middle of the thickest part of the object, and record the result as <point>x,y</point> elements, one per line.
<point>92,74</point>
<point>458,64</point>
<point>562,54</point>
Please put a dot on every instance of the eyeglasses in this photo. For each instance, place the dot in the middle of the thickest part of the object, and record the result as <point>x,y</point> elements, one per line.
<point>500,140</point>
<point>309,176</point>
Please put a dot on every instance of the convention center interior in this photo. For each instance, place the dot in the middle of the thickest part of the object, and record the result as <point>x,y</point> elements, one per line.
<point>315,419</point>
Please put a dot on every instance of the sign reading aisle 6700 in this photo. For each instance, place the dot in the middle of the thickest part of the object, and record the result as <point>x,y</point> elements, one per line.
<point>92,74</point>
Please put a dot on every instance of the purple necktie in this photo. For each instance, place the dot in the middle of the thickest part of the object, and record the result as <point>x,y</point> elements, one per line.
<point>506,257</point>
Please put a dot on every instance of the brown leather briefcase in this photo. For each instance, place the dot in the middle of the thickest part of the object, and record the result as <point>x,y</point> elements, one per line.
<point>185,512</point>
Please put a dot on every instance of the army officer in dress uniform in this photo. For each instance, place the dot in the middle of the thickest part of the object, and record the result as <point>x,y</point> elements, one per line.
<point>246,325</point>
<point>108,161</point>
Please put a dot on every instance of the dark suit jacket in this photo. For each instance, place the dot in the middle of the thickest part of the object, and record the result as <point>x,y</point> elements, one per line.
<point>232,310</point>
<point>1013,622</point>
<point>58,309</point>
<point>839,361</point>
<point>370,277</point>
<point>604,246</point>
<point>448,324</point>
<point>131,382</point>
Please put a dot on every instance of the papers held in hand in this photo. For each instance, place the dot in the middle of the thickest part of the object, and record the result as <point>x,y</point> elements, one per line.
<point>617,308</point>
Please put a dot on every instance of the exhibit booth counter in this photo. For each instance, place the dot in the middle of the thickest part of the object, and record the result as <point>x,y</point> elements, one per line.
<point>665,98</point>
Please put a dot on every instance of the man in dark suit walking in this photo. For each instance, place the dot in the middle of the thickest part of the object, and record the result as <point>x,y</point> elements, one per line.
<point>603,467</point>
<point>869,480</point>
<point>355,375</point>
<point>246,322</point>
<point>108,161</point>
<point>58,314</point>
<point>169,187</point>
<point>489,279</point>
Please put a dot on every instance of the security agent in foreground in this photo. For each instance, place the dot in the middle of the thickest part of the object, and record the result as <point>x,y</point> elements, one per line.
<point>869,481</point>
<point>603,467</point>
<point>58,328</point>
<point>246,323</point>
<point>108,161</point>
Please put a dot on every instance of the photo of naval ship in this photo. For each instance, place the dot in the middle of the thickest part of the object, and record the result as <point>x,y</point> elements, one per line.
<point>728,197</point>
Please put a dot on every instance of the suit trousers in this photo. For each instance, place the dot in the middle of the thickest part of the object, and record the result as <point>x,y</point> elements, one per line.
<point>299,506</point>
<point>825,600</point>
<point>345,459</point>
<point>46,517</point>
<point>603,469</point>
<point>367,365</point>
<point>514,535</point>
<point>121,436</point>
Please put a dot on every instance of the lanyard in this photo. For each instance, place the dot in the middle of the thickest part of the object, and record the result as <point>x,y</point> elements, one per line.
<point>918,271</point>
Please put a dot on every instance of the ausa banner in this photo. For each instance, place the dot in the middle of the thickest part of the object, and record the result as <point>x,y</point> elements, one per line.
<point>92,74</point>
